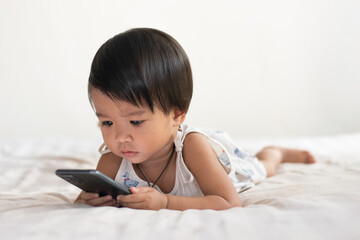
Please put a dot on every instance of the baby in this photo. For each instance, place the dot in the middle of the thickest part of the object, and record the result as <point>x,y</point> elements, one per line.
<point>140,87</point>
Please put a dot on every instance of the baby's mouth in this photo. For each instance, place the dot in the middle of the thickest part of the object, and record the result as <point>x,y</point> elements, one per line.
<point>128,153</point>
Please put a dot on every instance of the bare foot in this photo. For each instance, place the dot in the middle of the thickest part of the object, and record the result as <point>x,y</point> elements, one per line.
<point>296,156</point>
<point>272,157</point>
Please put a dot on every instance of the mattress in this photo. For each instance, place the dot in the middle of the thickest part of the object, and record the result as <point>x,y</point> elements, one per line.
<point>318,201</point>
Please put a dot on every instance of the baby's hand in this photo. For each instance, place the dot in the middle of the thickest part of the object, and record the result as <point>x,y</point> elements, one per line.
<point>143,198</point>
<point>93,199</point>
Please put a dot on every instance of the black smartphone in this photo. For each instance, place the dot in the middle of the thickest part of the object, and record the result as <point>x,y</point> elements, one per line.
<point>93,181</point>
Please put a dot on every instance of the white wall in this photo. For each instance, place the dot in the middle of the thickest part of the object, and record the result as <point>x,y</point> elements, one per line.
<point>261,68</point>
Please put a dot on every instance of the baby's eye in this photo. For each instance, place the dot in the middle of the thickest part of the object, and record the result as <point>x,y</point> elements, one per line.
<point>136,122</point>
<point>107,123</point>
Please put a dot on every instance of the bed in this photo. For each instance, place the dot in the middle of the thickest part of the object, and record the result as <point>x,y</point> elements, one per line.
<point>320,201</point>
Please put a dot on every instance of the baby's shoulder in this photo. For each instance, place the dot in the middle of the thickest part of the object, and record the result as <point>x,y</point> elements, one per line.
<point>193,138</point>
<point>196,146</point>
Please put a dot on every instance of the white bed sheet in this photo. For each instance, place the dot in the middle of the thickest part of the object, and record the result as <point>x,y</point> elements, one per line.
<point>320,201</point>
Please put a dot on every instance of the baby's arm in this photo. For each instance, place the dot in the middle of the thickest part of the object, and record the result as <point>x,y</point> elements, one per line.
<point>108,164</point>
<point>214,182</point>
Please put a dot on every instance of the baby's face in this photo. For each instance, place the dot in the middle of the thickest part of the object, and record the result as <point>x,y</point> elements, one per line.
<point>132,132</point>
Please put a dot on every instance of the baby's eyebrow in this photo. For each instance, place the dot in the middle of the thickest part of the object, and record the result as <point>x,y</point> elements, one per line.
<point>135,113</point>
<point>99,114</point>
<point>130,114</point>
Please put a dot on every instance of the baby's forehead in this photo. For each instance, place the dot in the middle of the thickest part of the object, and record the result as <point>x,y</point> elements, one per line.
<point>105,106</point>
<point>118,106</point>
<point>103,102</point>
<point>98,97</point>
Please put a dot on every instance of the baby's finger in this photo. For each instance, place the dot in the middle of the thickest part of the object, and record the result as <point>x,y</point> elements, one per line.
<point>112,203</point>
<point>137,190</point>
<point>88,196</point>
<point>100,201</point>
<point>131,198</point>
<point>135,205</point>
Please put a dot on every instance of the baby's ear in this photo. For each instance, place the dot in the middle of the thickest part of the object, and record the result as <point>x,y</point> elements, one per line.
<point>179,117</point>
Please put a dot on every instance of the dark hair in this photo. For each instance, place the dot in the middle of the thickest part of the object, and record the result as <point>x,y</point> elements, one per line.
<point>143,66</point>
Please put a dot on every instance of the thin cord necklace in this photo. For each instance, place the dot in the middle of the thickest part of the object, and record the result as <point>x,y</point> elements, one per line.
<point>172,153</point>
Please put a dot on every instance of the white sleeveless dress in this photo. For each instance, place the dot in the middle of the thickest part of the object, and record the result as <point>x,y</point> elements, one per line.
<point>244,170</point>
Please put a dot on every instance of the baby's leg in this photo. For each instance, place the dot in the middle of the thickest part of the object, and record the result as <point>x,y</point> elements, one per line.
<point>271,157</point>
